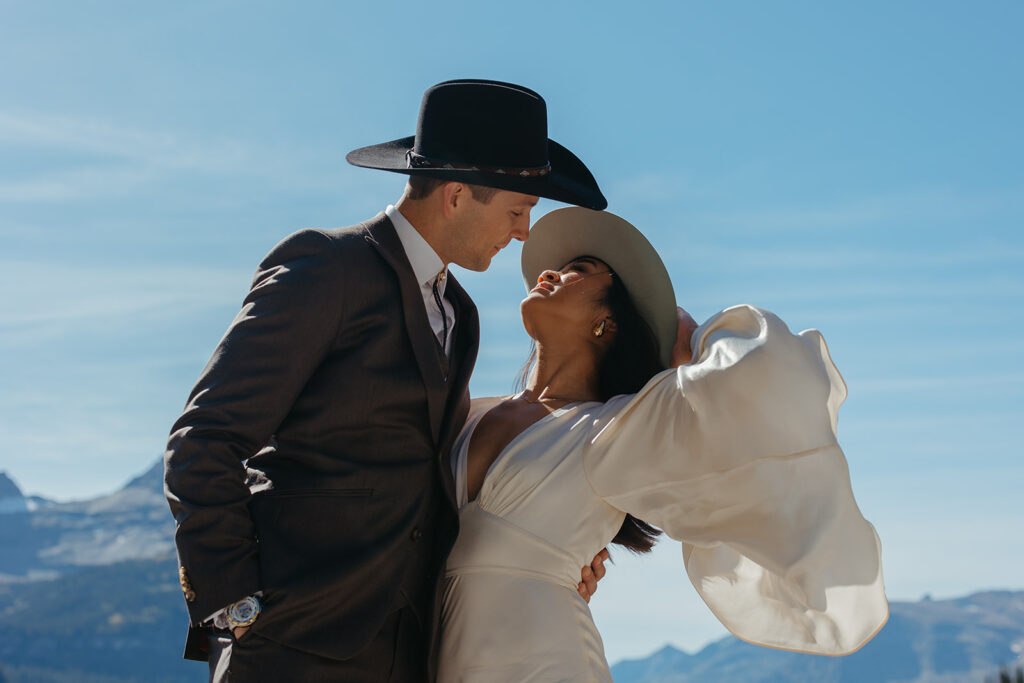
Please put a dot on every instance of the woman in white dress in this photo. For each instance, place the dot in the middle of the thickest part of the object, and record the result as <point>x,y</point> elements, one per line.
<point>723,436</point>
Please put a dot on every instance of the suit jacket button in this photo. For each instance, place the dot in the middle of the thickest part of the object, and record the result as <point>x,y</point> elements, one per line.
<point>190,595</point>
<point>416,534</point>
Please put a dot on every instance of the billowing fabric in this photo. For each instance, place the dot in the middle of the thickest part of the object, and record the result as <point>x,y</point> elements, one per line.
<point>734,455</point>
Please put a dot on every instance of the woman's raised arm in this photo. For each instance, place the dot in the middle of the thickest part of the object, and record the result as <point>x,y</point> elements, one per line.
<point>735,455</point>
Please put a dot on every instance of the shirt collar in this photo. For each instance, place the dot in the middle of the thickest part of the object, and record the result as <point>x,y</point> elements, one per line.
<point>425,262</point>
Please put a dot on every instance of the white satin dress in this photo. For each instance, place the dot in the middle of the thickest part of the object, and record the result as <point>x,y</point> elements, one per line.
<point>734,455</point>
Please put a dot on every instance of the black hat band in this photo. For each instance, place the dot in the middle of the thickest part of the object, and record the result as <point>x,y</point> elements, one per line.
<point>415,160</point>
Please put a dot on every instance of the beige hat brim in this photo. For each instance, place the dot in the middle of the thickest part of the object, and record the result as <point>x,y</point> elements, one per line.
<point>565,234</point>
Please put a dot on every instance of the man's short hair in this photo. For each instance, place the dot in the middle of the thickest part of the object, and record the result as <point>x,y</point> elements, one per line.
<point>421,187</point>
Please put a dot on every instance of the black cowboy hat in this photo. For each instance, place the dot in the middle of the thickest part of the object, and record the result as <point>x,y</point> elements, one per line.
<point>487,133</point>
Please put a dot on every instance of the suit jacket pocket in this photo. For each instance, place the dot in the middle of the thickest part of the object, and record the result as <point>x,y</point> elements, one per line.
<point>308,536</point>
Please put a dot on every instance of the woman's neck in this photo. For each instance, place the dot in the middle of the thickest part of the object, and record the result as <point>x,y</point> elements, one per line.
<point>567,375</point>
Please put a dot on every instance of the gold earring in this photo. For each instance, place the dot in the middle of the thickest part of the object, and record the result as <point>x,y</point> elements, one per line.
<point>599,329</point>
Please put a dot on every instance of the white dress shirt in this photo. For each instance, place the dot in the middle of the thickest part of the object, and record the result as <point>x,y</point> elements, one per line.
<point>426,266</point>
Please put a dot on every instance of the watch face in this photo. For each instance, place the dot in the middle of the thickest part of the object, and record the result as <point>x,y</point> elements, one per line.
<point>244,611</point>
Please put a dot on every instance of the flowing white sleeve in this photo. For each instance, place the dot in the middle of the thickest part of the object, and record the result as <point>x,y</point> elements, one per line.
<point>736,456</point>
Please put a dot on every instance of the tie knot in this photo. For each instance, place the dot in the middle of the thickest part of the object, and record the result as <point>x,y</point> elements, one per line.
<point>438,282</point>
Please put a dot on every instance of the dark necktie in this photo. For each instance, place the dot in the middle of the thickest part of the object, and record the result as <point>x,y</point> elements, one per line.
<point>444,316</point>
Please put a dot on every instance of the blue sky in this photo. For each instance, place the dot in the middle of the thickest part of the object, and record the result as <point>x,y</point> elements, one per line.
<point>855,169</point>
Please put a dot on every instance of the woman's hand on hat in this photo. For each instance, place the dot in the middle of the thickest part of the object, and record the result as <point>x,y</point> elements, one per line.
<point>681,352</point>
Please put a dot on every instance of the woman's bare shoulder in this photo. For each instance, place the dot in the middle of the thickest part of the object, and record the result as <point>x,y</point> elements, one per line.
<point>483,404</point>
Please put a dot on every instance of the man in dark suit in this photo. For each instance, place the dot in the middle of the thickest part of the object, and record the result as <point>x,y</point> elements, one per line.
<point>341,386</point>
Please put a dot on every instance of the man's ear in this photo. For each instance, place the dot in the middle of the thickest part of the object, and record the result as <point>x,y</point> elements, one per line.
<point>453,195</point>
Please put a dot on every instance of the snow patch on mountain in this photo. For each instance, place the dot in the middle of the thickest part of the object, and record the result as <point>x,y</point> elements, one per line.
<point>133,523</point>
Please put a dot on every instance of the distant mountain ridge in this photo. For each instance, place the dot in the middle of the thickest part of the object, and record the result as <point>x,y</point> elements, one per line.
<point>935,641</point>
<point>12,500</point>
<point>8,489</point>
<point>43,539</point>
<point>89,593</point>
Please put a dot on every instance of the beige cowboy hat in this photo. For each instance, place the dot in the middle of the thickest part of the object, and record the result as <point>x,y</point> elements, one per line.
<point>565,234</point>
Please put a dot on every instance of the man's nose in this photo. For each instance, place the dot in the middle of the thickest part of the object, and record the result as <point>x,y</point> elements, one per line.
<point>521,227</point>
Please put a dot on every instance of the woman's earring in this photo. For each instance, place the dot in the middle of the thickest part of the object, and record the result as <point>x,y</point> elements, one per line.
<point>599,329</point>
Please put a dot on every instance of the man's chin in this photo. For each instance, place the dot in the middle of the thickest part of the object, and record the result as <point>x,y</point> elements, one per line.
<point>477,265</point>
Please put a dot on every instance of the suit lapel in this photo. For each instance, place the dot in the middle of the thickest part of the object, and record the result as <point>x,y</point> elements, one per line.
<point>381,234</point>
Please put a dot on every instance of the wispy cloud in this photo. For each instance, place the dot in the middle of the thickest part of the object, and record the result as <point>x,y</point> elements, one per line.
<point>931,206</point>
<point>656,188</point>
<point>79,183</point>
<point>878,302</point>
<point>162,149</point>
<point>709,208</point>
<point>948,384</point>
<point>50,298</point>
<point>715,257</point>
<point>17,229</point>
<point>127,157</point>
<point>955,421</point>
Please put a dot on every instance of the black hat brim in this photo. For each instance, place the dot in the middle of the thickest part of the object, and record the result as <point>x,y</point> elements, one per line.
<point>569,180</point>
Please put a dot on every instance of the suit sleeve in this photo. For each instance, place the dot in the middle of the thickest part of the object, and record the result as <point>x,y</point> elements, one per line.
<point>288,322</point>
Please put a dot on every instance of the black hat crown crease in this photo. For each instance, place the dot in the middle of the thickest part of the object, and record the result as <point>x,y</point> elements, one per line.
<point>487,133</point>
<point>488,125</point>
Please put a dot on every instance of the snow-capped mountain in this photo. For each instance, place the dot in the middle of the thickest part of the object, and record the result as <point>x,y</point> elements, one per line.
<point>43,539</point>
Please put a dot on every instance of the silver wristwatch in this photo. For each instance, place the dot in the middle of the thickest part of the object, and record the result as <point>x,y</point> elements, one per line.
<point>244,612</point>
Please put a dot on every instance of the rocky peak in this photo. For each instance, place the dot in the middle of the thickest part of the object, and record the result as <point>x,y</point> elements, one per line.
<point>11,498</point>
<point>151,480</point>
<point>8,489</point>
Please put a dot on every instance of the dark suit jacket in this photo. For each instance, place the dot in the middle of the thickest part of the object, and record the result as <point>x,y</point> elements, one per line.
<point>329,384</point>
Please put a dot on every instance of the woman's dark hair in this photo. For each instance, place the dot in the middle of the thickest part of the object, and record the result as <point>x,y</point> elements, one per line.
<point>629,362</point>
<point>632,359</point>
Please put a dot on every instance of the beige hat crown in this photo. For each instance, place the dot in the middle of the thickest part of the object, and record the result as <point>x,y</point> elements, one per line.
<point>565,234</point>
